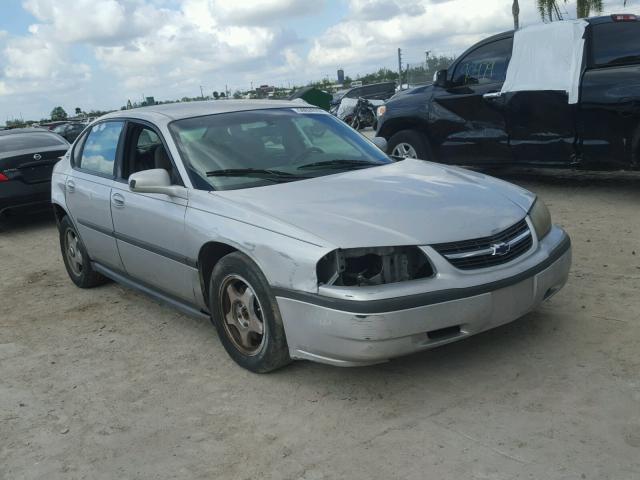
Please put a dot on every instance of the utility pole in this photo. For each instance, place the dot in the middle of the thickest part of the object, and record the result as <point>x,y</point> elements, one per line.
<point>515,10</point>
<point>400,67</point>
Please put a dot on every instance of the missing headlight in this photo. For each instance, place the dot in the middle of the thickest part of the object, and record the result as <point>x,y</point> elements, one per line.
<point>373,266</point>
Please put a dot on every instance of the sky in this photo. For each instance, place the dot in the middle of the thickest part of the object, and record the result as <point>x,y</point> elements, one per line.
<point>97,54</point>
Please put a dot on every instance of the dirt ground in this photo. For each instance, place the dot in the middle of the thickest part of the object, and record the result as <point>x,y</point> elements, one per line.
<point>108,384</point>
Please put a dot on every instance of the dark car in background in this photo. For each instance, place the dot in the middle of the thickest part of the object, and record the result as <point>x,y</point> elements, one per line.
<point>375,91</point>
<point>466,118</point>
<point>69,131</point>
<point>27,157</point>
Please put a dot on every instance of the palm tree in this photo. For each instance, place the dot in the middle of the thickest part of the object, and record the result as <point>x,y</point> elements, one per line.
<point>550,10</point>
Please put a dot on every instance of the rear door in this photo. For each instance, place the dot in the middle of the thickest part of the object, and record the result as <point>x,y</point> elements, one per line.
<point>469,120</point>
<point>150,227</point>
<point>541,127</point>
<point>609,116</point>
<point>88,190</point>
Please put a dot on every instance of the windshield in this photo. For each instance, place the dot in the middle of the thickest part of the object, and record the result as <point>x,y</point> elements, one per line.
<point>263,147</point>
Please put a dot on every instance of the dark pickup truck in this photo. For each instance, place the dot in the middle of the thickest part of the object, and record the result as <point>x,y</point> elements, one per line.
<point>466,118</point>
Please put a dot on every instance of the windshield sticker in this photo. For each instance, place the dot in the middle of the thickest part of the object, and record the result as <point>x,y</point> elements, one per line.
<point>308,110</point>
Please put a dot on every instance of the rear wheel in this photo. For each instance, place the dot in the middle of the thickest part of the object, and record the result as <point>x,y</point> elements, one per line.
<point>75,257</point>
<point>246,315</point>
<point>408,144</point>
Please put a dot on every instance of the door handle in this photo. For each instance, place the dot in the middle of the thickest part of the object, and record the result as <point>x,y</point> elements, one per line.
<point>71,186</point>
<point>492,95</point>
<point>117,200</point>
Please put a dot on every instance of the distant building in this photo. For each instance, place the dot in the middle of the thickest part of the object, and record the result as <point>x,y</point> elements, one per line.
<point>340,76</point>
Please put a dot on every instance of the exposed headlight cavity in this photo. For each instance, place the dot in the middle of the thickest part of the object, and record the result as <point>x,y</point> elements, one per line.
<point>541,218</point>
<point>373,266</point>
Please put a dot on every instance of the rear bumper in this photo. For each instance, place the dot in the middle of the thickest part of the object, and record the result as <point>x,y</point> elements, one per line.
<point>17,194</point>
<point>357,334</point>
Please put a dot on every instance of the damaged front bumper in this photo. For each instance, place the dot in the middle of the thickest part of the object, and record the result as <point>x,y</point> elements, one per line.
<point>360,326</point>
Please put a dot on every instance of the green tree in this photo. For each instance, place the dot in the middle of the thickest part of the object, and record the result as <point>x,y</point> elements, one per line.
<point>58,113</point>
<point>216,95</point>
<point>78,110</point>
<point>550,9</point>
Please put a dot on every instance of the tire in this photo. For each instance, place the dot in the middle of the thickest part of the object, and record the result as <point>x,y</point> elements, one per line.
<point>237,311</point>
<point>412,139</point>
<point>75,257</point>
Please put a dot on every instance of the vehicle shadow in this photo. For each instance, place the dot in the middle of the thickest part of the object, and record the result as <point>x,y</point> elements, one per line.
<point>25,220</point>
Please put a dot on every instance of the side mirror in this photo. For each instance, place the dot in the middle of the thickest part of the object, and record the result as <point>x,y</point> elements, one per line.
<point>440,78</point>
<point>155,181</point>
<point>381,143</point>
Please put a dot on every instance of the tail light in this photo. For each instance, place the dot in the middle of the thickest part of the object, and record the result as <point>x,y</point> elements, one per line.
<point>3,177</point>
<point>624,17</point>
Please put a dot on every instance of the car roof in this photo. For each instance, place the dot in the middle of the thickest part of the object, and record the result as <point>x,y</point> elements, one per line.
<point>177,111</point>
<point>13,131</point>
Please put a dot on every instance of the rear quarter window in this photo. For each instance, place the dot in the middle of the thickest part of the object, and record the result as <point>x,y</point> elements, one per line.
<point>615,43</point>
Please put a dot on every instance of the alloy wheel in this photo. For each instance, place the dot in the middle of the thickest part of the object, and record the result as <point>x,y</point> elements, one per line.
<point>72,251</point>
<point>242,315</point>
<point>404,150</point>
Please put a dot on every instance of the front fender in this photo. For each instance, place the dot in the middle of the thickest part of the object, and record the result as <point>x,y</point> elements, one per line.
<point>286,262</point>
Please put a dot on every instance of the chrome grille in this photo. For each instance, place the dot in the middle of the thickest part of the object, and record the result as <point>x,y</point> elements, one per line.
<point>488,251</point>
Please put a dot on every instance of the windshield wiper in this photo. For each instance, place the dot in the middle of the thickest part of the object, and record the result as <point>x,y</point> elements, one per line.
<point>339,164</point>
<point>265,174</point>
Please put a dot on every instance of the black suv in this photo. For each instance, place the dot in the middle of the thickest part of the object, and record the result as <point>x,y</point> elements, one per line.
<point>464,119</point>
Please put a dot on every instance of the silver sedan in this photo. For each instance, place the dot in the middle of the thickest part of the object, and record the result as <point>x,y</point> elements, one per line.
<point>297,236</point>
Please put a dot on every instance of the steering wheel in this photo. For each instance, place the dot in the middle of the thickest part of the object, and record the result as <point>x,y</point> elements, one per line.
<point>306,152</point>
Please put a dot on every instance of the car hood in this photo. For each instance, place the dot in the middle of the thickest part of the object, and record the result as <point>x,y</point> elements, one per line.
<point>411,202</point>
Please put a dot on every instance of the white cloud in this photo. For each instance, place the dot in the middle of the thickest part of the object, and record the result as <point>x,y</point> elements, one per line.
<point>34,64</point>
<point>94,21</point>
<point>379,27</point>
<point>262,11</point>
<point>168,48</point>
<point>385,9</point>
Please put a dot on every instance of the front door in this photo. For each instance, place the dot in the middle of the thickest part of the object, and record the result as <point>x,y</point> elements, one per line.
<point>150,227</point>
<point>470,120</point>
<point>88,191</point>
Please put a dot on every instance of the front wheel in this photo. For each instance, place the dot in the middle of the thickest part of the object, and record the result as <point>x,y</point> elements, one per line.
<point>246,315</point>
<point>408,144</point>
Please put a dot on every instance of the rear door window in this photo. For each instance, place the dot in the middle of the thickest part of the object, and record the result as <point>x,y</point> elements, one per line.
<point>486,64</point>
<point>100,147</point>
<point>615,43</point>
